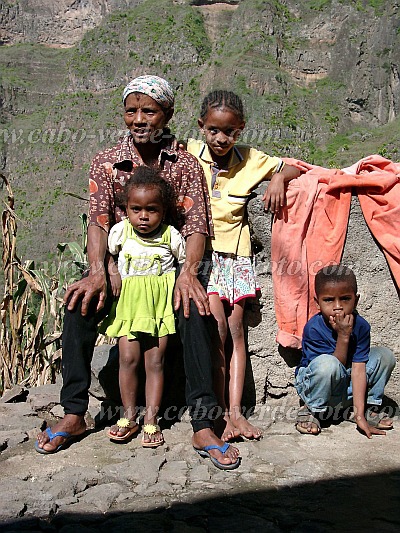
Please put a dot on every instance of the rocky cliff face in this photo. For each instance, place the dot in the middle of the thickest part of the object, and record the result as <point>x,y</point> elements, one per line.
<point>311,72</point>
<point>62,23</point>
<point>320,81</point>
<point>308,71</point>
<point>316,84</point>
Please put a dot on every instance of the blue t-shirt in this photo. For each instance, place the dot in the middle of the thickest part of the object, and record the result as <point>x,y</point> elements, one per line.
<point>319,338</point>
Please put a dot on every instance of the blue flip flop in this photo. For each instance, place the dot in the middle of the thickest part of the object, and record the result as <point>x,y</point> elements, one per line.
<point>203,452</point>
<point>52,436</point>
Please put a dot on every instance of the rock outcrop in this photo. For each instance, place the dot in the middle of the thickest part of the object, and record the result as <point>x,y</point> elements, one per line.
<point>58,24</point>
<point>316,86</point>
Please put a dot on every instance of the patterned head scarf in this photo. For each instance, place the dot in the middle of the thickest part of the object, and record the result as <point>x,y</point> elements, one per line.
<point>153,86</point>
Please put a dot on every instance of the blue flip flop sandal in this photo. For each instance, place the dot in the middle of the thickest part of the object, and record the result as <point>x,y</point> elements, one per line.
<point>203,452</point>
<point>52,436</point>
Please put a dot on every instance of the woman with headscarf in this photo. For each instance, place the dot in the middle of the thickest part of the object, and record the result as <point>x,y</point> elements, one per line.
<point>148,106</point>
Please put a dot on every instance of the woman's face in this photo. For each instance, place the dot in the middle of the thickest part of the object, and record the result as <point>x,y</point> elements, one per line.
<point>145,118</point>
<point>144,209</point>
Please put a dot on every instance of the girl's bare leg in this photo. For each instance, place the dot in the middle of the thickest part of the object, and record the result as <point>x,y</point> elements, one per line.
<point>154,364</point>
<point>218,311</point>
<point>129,358</point>
<point>237,370</point>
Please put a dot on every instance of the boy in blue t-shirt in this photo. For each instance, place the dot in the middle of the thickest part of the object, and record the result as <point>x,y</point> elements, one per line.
<point>338,363</point>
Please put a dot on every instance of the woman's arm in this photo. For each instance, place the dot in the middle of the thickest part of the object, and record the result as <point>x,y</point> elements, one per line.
<point>95,284</point>
<point>187,285</point>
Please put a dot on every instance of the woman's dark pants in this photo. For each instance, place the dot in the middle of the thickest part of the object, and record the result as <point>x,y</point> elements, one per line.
<point>78,341</point>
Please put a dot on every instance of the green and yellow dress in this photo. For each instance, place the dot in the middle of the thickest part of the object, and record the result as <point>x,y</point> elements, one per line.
<point>147,269</point>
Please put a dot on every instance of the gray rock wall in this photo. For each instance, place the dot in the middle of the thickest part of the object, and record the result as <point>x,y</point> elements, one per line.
<point>379,304</point>
<point>306,71</point>
<point>62,23</point>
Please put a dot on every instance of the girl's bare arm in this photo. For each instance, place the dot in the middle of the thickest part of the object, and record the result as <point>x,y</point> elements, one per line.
<point>275,195</point>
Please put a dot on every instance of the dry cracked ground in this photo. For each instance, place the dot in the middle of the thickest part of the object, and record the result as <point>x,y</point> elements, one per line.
<point>338,481</point>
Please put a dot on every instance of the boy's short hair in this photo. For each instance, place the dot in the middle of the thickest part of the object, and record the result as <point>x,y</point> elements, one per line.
<point>334,274</point>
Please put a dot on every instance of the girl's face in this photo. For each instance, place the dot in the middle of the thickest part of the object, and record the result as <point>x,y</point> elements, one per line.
<point>144,209</point>
<point>221,127</point>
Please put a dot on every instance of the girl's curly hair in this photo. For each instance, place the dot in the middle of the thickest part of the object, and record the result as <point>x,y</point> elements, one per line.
<point>143,176</point>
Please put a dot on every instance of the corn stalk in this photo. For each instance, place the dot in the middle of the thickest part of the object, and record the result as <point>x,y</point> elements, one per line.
<point>11,318</point>
<point>31,309</point>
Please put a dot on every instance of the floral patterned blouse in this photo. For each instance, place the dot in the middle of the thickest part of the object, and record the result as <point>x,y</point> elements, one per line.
<point>111,168</point>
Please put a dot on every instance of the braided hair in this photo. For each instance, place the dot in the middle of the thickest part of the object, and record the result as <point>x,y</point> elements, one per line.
<point>218,99</point>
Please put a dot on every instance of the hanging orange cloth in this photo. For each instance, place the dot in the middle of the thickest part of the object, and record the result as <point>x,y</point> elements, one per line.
<point>311,230</point>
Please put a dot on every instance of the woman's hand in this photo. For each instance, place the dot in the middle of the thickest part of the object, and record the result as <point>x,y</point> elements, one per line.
<point>188,287</point>
<point>92,286</point>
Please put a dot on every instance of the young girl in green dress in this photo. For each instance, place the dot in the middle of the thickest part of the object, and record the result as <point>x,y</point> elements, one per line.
<point>143,318</point>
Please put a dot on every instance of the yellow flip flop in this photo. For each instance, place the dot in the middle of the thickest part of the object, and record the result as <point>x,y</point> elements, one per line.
<point>124,423</point>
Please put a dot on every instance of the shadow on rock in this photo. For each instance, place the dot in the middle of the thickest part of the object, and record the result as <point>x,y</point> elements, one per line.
<point>105,384</point>
<point>327,505</point>
<point>291,356</point>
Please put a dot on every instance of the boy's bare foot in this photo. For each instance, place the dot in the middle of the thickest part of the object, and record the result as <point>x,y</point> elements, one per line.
<point>206,437</point>
<point>73,424</point>
<point>245,428</point>
<point>306,422</point>
<point>378,419</point>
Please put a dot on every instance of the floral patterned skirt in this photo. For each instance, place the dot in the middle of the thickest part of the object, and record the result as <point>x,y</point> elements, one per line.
<point>232,277</point>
